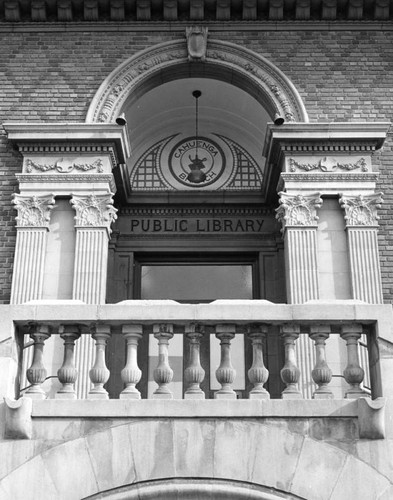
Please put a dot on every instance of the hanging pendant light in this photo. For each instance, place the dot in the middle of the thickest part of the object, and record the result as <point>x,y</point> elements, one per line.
<point>196,175</point>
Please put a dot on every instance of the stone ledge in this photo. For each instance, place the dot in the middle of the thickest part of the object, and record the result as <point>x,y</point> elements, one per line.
<point>194,409</point>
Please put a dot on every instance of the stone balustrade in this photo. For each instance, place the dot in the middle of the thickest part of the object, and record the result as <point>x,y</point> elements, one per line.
<point>346,332</point>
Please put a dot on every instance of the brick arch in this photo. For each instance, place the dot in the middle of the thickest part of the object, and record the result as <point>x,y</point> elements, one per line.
<point>275,455</point>
<point>224,61</point>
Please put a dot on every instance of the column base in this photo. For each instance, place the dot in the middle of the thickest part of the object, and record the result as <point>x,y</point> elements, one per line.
<point>356,395</point>
<point>97,395</point>
<point>35,395</point>
<point>323,395</point>
<point>225,395</point>
<point>130,395</point>
<point>65,395</point>
<point>291,395</point>
<point>162,395</point>
<point>259,395</point>
<point>194,395</point>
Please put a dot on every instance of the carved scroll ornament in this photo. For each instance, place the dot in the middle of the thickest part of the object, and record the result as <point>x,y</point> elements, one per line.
<point>361,210</point>
<point>33,211</point>
<point>298,210</point>
<point>94,210</point>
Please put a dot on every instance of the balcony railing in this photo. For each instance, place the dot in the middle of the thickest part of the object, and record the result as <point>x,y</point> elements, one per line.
<point>321,323</point>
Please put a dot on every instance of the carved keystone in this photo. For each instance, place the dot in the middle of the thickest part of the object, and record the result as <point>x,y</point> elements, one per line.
<point>371,418</point>
<point>18,423</point>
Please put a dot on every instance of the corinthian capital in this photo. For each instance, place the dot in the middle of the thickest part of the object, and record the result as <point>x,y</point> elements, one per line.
<point>298,210</point>
<point>361,210</point>
<point>94,210</point>
<point>33,211</point>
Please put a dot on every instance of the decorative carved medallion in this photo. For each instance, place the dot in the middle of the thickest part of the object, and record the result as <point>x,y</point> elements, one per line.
<point>64,167</point>
<point>328,164</point>
<point>298,210</point>
<point>361,210</point>
<point>33,211</point>
<point>196,163</point>
<point>196,43</point>
<point>94,210</point>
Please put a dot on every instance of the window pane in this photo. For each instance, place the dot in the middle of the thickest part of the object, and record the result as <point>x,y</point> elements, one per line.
<point>196,282</point>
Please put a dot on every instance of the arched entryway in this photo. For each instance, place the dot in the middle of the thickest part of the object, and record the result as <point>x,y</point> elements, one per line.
<point>187,238</point>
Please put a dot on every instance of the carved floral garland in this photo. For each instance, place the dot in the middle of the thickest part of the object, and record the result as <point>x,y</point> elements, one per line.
<point>97,164</point>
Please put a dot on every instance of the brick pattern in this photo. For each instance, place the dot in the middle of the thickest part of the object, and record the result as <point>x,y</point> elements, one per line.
<point>53,75</point>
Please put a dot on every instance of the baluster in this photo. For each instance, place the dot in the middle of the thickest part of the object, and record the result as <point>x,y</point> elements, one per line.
<point>99,373</point>
<point>131,374</point>
<point>163,373</point>
<point>258,374</point>
<point>36,374</point>
<point>321,374</point>
<point>194,373</point>
<point>225,373</point>
<point>290,373</point>
<point>67,373</point>
<point>353,373</point>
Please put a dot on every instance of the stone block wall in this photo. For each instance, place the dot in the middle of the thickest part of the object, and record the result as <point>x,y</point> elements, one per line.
<point>52,74</point>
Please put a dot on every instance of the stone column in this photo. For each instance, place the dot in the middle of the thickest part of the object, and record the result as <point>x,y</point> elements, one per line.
<point>362,227</point>
<point>298,216</point>
<point>94,215</point>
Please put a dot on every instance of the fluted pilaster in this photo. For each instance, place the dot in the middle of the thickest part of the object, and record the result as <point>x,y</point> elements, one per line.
<point>362,228</point>
<point>32,227</point>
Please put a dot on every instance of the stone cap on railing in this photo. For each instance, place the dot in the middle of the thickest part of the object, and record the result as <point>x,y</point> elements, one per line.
<point>219,311</point>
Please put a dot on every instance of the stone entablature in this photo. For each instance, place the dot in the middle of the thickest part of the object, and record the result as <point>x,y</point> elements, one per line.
<point>331,158</point>
<point>65,11</point>
<point>66,158</point>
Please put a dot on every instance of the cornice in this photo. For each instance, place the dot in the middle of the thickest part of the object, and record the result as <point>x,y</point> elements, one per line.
<point>71,137</point>
<point>179,26</point>
<point>149,12</point>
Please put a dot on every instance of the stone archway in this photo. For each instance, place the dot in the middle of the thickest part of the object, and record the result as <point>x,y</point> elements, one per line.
<point>224,61</point>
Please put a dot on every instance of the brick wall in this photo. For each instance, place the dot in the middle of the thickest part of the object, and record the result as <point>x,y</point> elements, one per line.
<point>53,75</point>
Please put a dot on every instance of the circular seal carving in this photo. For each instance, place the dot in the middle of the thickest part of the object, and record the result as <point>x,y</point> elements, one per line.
<point>196,163</point>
